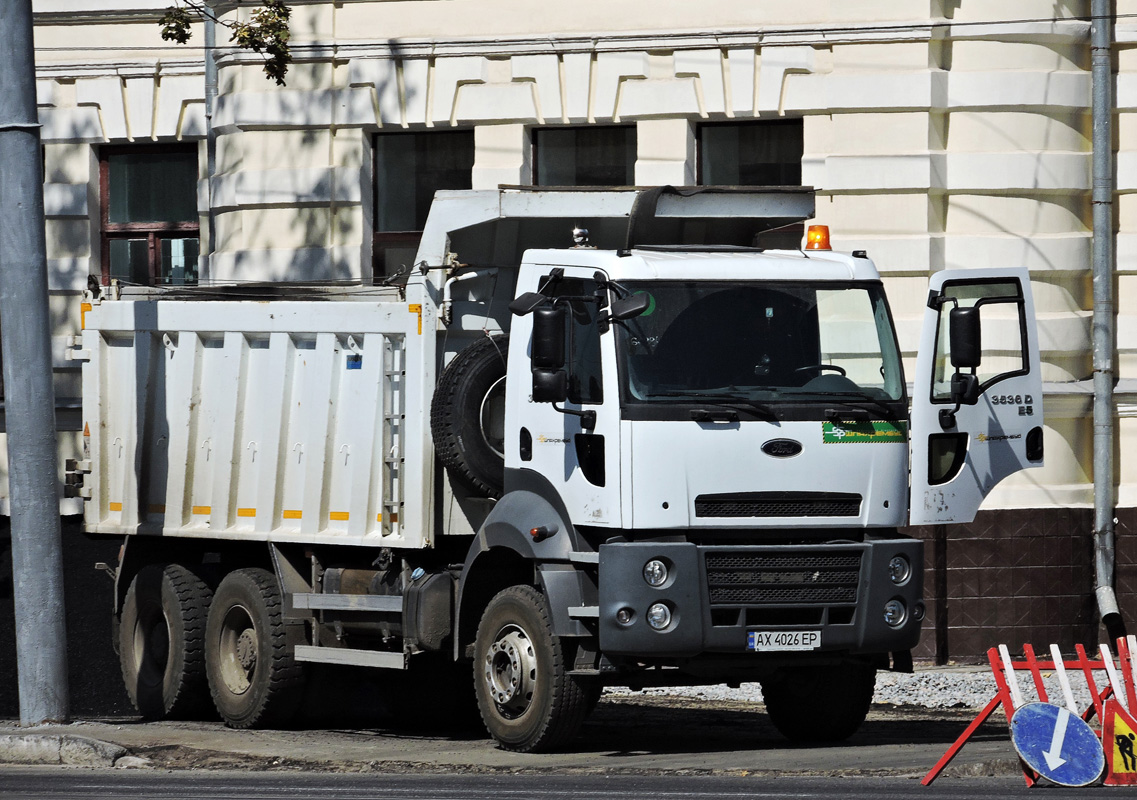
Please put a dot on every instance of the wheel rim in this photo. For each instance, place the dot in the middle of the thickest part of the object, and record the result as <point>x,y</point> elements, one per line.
<point>150,647</point>
<point>510,671</point>
<point>493,417</point>
<point>238,650</point>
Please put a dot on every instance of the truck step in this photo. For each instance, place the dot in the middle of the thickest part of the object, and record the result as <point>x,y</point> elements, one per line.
<point>343,655</point>
<point>348,602</point>
<point>584,612</point>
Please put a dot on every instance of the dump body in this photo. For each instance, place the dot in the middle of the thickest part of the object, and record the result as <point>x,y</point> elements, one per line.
<point>270,421</point>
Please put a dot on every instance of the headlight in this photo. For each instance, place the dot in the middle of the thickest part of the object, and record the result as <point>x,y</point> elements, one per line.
<point>895,613</point>
<point>655,573</point>
<point>659,616</point>
<point>899,570</point>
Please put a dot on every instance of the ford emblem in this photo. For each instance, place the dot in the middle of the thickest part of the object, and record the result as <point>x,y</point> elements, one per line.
<point>781,448</point>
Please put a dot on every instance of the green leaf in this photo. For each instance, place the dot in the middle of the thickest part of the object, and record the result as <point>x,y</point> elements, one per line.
<point>175,24</point>
<point>267,33</point>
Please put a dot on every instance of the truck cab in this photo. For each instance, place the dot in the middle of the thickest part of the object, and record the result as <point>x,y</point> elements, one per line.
<point>745,433</point>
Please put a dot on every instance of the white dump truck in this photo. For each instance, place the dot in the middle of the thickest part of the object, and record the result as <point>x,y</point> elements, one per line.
<point>589,438</point>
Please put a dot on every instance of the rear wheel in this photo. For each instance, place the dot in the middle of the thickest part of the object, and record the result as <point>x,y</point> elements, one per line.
<point>161,642</point>
<point>253,677</point>
<point>819,703</point>
<point>527,699</point>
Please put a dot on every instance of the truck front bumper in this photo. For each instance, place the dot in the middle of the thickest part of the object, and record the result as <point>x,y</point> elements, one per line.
<point>728,599</point>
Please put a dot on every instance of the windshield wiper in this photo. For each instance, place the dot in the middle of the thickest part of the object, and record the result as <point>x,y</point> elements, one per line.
<point>855,396</point>
<point>728,399</point>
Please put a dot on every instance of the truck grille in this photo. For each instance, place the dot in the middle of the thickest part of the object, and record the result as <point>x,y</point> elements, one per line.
<point>771,578</point>
<point>778,504</point>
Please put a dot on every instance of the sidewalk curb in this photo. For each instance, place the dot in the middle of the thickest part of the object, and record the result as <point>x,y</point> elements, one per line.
<point>46,748</point>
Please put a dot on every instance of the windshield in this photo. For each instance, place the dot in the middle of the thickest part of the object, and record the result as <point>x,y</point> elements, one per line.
<point>764,343</point>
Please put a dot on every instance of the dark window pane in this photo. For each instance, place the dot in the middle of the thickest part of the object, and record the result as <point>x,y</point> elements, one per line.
<point>130,260</point>
<point>394,252</point>
<point>411,167</point>
<point>585,382</point>
<point>598,156</point>
<point>152,187</point>
<point>765,153</point>
<point>179,262</point>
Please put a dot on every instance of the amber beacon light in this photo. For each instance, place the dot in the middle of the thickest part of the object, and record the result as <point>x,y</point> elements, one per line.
<point>817,238</point>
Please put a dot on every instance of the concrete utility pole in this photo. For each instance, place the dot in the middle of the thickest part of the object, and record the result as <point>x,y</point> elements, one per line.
<point>37,558</point>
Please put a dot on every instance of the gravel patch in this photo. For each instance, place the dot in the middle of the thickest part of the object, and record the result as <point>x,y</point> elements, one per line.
<point>933,688</point>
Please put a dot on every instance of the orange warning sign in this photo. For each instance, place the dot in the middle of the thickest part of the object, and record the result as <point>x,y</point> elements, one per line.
<point>1119,738</point>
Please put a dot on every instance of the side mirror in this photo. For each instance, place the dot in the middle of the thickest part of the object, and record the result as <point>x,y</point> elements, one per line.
<point>963,333</point>
<point>548,350</point>
<point>526,303</point>
<point>964,389</point>
<point>630,306</point>
<point>550,385</point>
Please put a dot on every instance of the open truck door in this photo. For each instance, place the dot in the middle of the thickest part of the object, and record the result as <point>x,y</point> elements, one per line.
<point>977,394</point>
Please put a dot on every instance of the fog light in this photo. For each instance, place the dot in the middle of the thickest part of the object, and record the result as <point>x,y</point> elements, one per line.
<point>895,613</point>
<point>899,570</point>
<point>655,573</point>
<point>659,616</point>
<point>624,616</point>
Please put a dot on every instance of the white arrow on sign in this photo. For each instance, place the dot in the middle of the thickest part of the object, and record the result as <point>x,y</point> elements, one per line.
<point>1053,756</point>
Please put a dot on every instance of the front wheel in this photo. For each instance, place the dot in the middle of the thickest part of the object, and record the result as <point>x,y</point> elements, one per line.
<point>819,703</point>
<point>527,699</point>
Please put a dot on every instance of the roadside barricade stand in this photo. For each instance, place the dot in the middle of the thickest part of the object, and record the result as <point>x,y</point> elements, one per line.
<point>1053,738</point>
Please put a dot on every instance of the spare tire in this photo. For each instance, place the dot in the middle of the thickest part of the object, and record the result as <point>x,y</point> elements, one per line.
<point>467,416</point>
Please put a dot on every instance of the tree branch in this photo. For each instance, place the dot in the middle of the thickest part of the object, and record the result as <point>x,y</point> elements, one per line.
<point>267,32</point>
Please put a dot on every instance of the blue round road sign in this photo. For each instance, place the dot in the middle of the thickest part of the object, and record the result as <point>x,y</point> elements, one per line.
<point>1056,744</point>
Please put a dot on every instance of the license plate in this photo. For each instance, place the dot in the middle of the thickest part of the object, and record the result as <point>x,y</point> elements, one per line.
<point>767,641</point>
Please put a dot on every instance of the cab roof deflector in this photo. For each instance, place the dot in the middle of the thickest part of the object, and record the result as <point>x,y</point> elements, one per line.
<point>498,225</point>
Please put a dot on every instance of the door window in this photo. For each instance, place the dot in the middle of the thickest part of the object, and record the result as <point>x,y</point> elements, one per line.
<point>1002,333</point>
<point>582,337</point>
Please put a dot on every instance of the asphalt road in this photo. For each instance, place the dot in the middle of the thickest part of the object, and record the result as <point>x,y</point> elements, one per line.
<point>17,782</point>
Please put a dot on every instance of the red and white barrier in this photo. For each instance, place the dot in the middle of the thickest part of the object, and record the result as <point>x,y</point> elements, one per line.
<point>1114,702</point>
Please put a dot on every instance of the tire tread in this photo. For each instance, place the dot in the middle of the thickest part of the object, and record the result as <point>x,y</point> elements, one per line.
<point>185,695</point>
<point>448,418</point>
<point>569,704</point>
<point>282,691</point>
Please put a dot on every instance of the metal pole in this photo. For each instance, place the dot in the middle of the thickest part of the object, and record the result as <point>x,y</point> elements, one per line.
<point>37,558</point>
<point>1104,320</point>
<point>210,137</point>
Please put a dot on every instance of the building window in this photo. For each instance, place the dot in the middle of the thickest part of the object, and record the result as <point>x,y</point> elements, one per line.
<point>759,153</point>
<point>148,210</point>
<point>762,153</point>
<point>599,155</point>
<point>409,169</point>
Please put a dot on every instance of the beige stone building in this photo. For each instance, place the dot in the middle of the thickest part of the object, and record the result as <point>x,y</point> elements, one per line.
<point>940,133</point>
